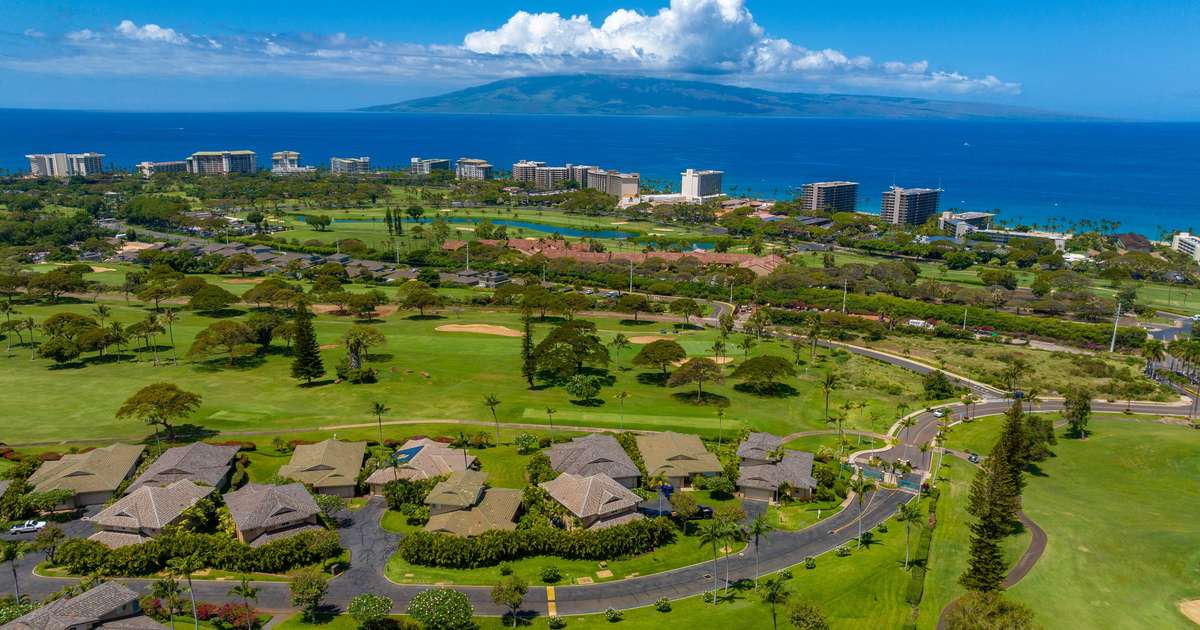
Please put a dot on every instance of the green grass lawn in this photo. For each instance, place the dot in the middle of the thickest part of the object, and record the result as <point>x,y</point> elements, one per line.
<point>800,515</point>
<point>814,443</point>
<point>78,401</point>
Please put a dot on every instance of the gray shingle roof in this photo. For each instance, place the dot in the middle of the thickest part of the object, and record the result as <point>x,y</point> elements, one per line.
<point>199,462</point>
<point>496,510</point>
<point>592,455</point>
<point>257,506</point>
<point>588,497</point>
<point>151,507</point>
<point>759,446</point>
<point>84,609</point>
<point>795,469</point>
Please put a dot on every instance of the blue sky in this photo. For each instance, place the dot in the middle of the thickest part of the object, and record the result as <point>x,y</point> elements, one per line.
<point>1117,58</point>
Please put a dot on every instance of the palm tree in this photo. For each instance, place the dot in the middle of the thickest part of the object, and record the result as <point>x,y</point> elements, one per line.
<point>1032,399</point>
<point>621,396</point>
<point>102,312</point>
<point>909,513</point>
<point>860,485</point>
<point>184,567</point>
<point>712,533</point>
<point>906,424</point>
<point>619,342</point>
<point>746,343</point>
<point>774,593</point>
<point>378,408</point>
<point>6,307</point>
<point>718,348</point>
<point>657,481</point>
<point>967,400</point>
<point>813,332</point>
<point>720,427</point>
<point>732,534</point>
<point>1153,351</point>
<point>550,411</point>
<point>167,591</point>
<point>759,528</point>
<point>491,401</point>
<point>829,382</point>
<point>118,336</point>
<point>170,316</point>
<point>247,593</point>
<point>12,552</point>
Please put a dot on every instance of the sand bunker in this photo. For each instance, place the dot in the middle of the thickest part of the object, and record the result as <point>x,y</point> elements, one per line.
<point>328,346</point>
<point>717,360</point>
<point>135,246</point>
<point>644,339</point>
<point>1191,609</point>
<point>482,329</point>
<point>380,311</point>
<point>96,269</point>
<point>243,281</point>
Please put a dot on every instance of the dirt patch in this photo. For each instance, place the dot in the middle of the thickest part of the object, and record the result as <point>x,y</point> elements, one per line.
<point>1177,422</point>
<point>644,339</point>
<point>96,269</point>
<point>242,281</point>
<point>717,360</point>
<point>328,346</point>
<point>483,329</point>
<point>380,311</point>
<point>135,246</point>
<point>1191,609</point>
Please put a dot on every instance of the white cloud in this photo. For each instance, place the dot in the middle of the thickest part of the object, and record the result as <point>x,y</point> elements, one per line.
<point>34,33</point>
<point>81,36</point>
<point>150,33</point>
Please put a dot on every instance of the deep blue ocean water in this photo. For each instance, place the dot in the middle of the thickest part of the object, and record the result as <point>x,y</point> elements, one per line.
<point>1144,175</point>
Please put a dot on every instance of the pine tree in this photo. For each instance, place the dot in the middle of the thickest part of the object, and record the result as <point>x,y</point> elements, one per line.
<point>985,567</point>
<point>528,366</point>
<point>387,220</point>
<point>306,363</point>
<point>1014,447</point>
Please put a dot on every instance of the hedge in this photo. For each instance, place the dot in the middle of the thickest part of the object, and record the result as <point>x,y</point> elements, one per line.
<point>493,547</point>
<point>218,551</point>
<point>916,580</point>
<point>1074,332</point>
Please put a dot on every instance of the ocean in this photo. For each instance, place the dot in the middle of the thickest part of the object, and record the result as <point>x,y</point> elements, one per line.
<point>1142,175</point>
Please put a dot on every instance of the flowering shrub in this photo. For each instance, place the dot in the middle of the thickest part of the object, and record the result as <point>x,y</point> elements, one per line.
<point>663,605</point>
<point>442,609</point>
<point>613,615</point>
<point>556,622</point>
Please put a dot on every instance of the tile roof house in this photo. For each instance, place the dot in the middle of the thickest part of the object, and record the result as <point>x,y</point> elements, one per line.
<point>144,513</point>
<point>463,505</point>
<point>592,455</point>
<point>202,463</point>
<point>94,476</point>
<point>761,473</point>
<point>330,467</point>
<point>682,457</point>
<point>262,513</point>
<point>596,501</point>
<point>110,605</point>
<point>431,459</point>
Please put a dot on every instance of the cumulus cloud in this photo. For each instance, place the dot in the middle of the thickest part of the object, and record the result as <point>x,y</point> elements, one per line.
<point>717,39</point>
<point>34,33</point>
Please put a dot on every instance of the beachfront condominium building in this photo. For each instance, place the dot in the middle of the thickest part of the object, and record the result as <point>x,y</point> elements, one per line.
<point>472,168</point>
<point>1187,244</point>
<point>578,173</point>
<point>426,166</point>
<point>909,206</point>
<point>65,164</point>
<point>551,177</point>
<point>221,162</point>
<point>830,197</point>
<point>700,185</point>
<point>617,184</point>
<point>526,170</point>
<point>350,166</point>
<point>288,163</point>
<point>150,169</point>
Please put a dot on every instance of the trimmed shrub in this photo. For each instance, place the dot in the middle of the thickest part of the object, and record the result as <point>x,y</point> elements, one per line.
<point>551,574</point>
<point>842,551</point>
<point>442,609</point>
<point>613,615</point>
<point>663,605</point>
<point>916,579</point>
<point>810,562</point>
<point>555,622</point>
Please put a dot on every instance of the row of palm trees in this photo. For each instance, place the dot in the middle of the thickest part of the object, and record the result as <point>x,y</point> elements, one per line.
<point>147,330</point>
<point>170,593</point>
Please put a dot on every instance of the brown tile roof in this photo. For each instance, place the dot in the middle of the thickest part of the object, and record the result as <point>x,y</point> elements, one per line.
<point>461,489</point>
<point>590,455</point>
<point>203,463</point>
<point>86,609</point>
<point>98,470</point>
<point>676,454</point>
<point>588,497</point>
<point>257,506</point>
<point>151,507</point>
<point>284,533</point>
<point>116,540</point>
<point>327,464</point>
<point>497,510</point>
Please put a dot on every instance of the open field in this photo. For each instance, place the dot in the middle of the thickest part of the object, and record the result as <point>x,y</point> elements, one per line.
<point>424,375</point>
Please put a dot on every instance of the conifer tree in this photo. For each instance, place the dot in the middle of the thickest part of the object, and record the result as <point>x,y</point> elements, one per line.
<point>306,363</point>
<point>985,566</point>
<point>528,364</point>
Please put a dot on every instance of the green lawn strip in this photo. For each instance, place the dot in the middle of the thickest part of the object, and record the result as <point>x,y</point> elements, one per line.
<point>814,443</point>
<point>217,575</point>
<point>797,516</point>
<point>78,402</point>
<point>1120,512</point>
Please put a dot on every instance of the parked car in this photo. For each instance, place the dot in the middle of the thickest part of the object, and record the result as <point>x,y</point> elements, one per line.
<point>939,413</point>
<point>703,511</point>
<point>28,527</point>
<point>973,458</point>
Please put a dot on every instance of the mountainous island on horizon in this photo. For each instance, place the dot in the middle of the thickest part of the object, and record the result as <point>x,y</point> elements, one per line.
<point>610,95</point>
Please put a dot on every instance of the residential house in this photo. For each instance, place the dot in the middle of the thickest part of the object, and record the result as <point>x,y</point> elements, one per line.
<point>595,501</point>
<point>93,476</point>
<point>594,454</point>
<point>205,464</point>
<point>421,459</point>
<point>463,505</point>
<point>145,513</point>
<point>329,467</point>
<point>262,513</point>
<point>681,457</point>
<point>767,470</point>
<point>107,606</point>
<point>476,278</point>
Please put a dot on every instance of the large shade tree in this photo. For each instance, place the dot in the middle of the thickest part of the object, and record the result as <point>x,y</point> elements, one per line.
<point>160,404</point>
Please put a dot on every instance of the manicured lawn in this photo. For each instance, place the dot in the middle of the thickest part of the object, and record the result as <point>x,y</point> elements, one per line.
<point>323,622</point>
<point>814,443</point>
<point>79,401</point>
<point>802,514</point>
<point>1120,510</point>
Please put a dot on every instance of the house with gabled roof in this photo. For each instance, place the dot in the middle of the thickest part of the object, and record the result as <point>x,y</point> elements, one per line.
<point>767,471</point>
<point>106,606</point>
<point>329,467</point>
<point>421,459</point>
<point>595,501</point>
<point>144,513</point>
<point>205,464</point>
<point>594,454</point>
<point>93,476</point>
<point>463,505</point>
<point>262,513</point>
<point>680,457</point>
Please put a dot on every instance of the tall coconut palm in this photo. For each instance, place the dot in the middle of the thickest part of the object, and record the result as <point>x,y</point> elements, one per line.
<point>117,336</point>
<point>712,533</point>
<point>909,513</point>
<point>379,408</point>
<point>733,533</point>
<point>550,411</point>
<point>170,316</point>
<point>618,343</point>
<point>101,313</point>
<point>167,591</point>
<point>774,593</point>
<point>1153,351</point>
<point>621,396</point>
<point>7,309</point>
<point>718,348</point>
<point>184,567</point>
<point>492,402</point>
<point>829,383</point>
<point>248,593</point>
<point>860,485</point>
<point>12,551</point>
<point>759,528</point>
<point>1033,398</point>
<point>813,332</point>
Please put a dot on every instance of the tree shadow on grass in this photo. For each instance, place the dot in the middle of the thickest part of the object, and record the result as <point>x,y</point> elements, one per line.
<point>422,318</point>
<point>770,390</point>
<point>189,432</point>
<point>324,381</point>
<point>224,313</point>
<point>589,402</point>
<point>708,399</point>
<point>638,322</point>
<point>382,357</point>
<point>219,364</point>
<point>69,365</point>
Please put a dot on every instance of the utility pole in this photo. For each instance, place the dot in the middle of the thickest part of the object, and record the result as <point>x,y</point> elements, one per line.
<point>631,275</point>
<point>844,291</point>
<point>731,290</point>
<point>964,317</point>
<point>468,248</point>
<point>1112,346</point>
